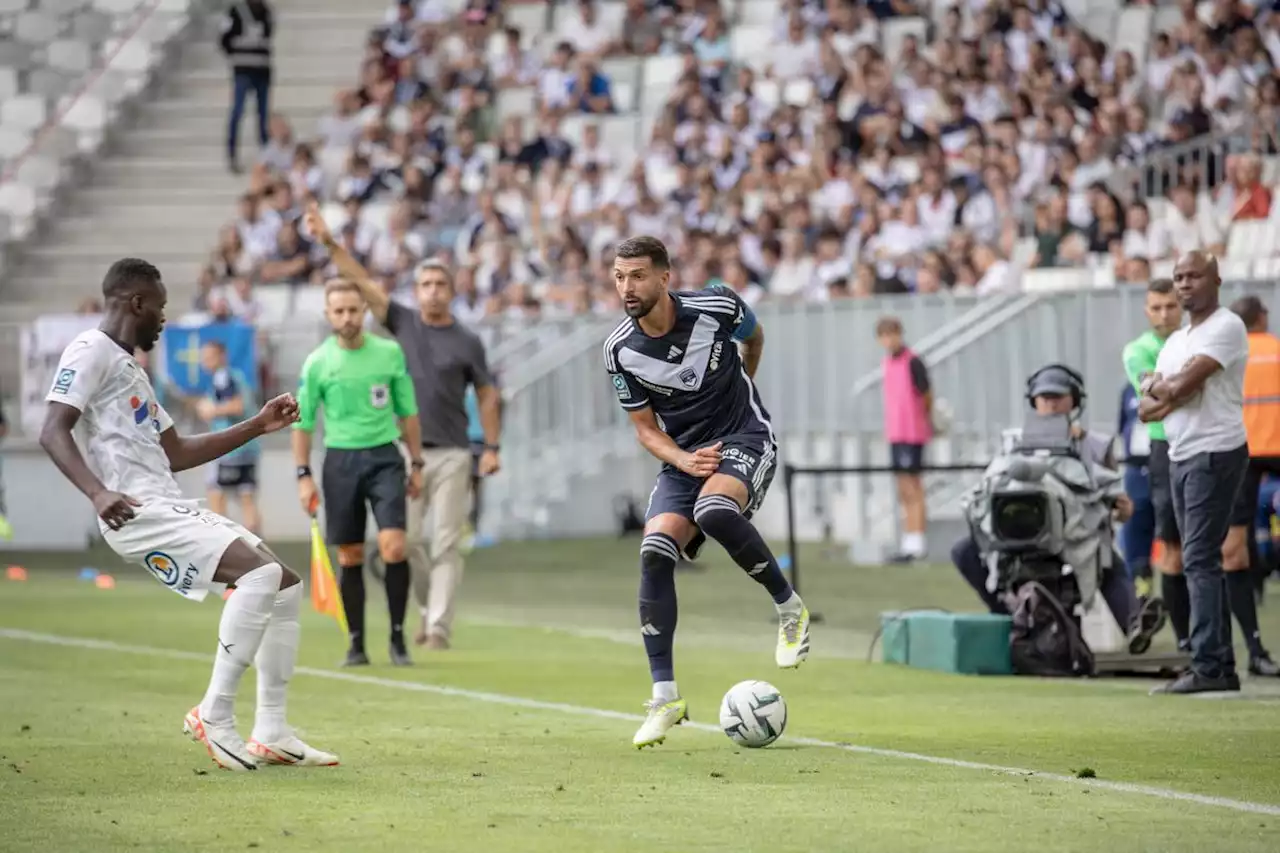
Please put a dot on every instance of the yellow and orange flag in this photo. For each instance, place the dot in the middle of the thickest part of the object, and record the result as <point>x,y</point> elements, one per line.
<point>325,596</point>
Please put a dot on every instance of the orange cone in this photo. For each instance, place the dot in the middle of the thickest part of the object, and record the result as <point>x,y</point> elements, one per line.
<point>104,582</point>
<point>15,573</point>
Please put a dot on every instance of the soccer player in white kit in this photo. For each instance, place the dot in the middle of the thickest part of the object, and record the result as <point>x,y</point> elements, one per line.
<point>101,395</point>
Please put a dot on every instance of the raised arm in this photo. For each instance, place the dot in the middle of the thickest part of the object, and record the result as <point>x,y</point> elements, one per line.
<point>348,267</point>
<point>186,452</point>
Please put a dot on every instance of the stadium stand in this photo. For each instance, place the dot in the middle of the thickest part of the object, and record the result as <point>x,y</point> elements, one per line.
<point>798,150</point>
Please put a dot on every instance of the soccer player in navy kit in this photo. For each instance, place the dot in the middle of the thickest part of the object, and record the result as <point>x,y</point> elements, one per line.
<point>675,366</point>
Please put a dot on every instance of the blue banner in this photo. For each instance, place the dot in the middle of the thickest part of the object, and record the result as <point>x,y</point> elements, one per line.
<point>182,363</point>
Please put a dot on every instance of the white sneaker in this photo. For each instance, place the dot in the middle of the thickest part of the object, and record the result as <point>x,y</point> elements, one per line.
<point>292,751</point>
<point>662,716</point>
<point>793,639</point>
<point>225,746</point>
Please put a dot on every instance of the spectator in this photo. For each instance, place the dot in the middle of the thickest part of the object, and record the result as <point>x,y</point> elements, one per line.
<point>247,31</point>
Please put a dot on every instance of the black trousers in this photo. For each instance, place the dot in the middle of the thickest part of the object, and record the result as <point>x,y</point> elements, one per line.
<point>1116,587</point>
<point>244,81</point>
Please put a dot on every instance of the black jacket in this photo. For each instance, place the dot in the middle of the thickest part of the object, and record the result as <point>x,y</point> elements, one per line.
<point>246,35</point>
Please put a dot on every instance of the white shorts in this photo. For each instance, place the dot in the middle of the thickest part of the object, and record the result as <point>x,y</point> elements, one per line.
<point>180,544</point>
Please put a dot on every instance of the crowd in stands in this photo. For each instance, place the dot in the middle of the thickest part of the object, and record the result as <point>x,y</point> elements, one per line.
<point>852,152</point>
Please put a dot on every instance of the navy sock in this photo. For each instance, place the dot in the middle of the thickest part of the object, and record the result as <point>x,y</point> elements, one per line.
<point>720,518</point>
<point>1245,608</point>
<point>658,556</point>
<point>397,584</point>
<point>1173,589</point>
<point>352,588</point>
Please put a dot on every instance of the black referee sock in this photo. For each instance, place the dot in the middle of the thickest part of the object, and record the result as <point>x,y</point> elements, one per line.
<point>1173,589</point>
<point>352,585</point>
<point>397,582</point>
<point>1245,608</point>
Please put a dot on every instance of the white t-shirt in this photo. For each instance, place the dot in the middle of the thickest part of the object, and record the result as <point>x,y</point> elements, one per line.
<point>120,420</point>
<point>1213,420</point>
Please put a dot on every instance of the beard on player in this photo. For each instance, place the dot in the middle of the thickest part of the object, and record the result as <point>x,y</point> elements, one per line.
<point>638,305</point>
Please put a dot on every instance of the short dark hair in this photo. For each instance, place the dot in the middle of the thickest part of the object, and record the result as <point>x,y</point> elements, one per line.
<point>1250,309</point>
<point>652,248</point>
<point>1163,286</point>
<point>888,326</point>
<point>214,343</point>
<point>127,276</point>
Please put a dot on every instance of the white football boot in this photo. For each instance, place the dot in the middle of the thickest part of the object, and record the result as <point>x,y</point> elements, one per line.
<point>661,717</point>
<point>793,638</point>
<point>291,751</point>
<point>225,746</point>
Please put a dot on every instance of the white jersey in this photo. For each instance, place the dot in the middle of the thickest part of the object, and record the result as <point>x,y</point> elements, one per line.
<point>120,421</point>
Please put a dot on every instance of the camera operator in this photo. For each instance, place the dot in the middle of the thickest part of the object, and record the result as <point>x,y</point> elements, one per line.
<point>1058,390</point>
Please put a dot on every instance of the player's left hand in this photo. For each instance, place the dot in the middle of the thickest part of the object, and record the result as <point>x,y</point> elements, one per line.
<point>489,463</point>
<point>278,413</point>
<point>1123,508</point>
<point>414,487</point>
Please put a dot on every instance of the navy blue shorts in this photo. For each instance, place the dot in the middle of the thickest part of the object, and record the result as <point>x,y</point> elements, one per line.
<point>751,458</point>
<point>906,458</point>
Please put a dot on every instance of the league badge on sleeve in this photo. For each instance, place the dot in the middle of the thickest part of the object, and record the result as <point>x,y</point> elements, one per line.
<point>62,384</point>
<point>620,384</point>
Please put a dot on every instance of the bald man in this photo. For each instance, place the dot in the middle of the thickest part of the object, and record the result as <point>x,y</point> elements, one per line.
<point>1197,390</point>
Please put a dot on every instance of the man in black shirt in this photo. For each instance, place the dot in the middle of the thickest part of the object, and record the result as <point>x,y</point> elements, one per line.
<point>676,369</point>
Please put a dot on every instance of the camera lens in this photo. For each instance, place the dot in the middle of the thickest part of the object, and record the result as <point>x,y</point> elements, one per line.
<point>1019,517</point>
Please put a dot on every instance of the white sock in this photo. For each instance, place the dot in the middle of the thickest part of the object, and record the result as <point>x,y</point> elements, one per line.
<point>665,691</point>
<point>913,544</point>
<point>244,621</point>
<point>791,605</point>
<point>275,660</point>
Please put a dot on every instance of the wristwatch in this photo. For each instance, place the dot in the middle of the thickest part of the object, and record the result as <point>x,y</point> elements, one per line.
<point>304,471</point>
<point>417,464</point>
<point>494,447</point>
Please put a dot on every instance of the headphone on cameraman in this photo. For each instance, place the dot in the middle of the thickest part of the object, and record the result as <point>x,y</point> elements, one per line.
<point>1071,378</point>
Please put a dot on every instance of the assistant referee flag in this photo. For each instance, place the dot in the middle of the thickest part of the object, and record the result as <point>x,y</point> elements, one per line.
<point>325,597</point>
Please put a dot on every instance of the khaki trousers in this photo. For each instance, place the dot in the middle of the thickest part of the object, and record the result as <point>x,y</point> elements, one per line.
<point>446,493</point>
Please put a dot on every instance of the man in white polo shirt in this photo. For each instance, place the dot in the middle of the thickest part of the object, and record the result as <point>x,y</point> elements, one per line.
<point>1197,390</point>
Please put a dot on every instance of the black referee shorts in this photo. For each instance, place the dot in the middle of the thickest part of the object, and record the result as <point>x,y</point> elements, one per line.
<point>350,479</point>
<point>1245,511</point>
<point>1162,494</point>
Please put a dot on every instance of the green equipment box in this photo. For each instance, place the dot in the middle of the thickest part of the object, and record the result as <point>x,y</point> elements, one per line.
<point>967,643</point>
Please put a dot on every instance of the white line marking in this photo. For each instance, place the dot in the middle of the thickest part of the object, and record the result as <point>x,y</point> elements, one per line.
<point>600,713</point>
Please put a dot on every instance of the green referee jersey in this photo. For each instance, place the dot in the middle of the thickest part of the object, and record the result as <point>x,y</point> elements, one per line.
<point>1139,358</point>
<point>364,393</point>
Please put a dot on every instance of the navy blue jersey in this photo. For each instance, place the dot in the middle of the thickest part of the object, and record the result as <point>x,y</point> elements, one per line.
<point>692,377</point>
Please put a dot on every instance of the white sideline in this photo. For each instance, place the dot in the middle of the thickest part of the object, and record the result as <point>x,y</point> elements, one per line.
<point>600,713</point>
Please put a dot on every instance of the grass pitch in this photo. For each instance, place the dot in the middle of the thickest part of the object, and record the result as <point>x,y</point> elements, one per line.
<point>519,738</point>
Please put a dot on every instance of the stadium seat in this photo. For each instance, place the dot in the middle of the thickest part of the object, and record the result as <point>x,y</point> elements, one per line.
<point>1133,28</point>
<point>756,13</point>
<point>662,72</point>
<point>116,7</point>
<point>9,83</point>
<point>531,19</point>
<point>25,112</point>
<point>35,28</point>
<point>70,55</point>
<point>1058,278</point>
<point>12,143</point>
<point>49,83</point>
<point>745,44</point>
<point>91,26</point>
<point>1248,240</point>
<point>517,102</point>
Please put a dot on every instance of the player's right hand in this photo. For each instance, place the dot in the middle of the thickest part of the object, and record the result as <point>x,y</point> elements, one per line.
<point>316,226</point>
<point>308,495</point>
<point>115,508</point>
<point>703,462</point>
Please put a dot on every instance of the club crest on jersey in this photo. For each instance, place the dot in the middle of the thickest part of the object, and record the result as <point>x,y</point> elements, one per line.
<point>689,377</point>
<point>144,410</point>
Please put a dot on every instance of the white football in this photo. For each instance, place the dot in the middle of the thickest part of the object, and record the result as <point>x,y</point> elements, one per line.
<point>753,713</point>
